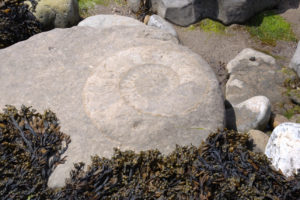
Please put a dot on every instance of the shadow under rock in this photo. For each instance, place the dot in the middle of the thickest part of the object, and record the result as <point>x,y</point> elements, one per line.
<point>230,116</point>
<point>285,5</point>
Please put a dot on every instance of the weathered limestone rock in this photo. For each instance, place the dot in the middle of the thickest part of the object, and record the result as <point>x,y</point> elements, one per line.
<point>253,113</point>
<point>253,73</point>
<point>283,148</point>
<point>121,87</point>
<point>260,140</point>
<point>186,12</point>
<point>58,13</point>
<point>159,22</point>
<point>295,62</point>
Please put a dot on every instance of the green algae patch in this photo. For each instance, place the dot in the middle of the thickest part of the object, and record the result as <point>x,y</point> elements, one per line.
<point>269,28</point>
<point>209,26</point>
<point>292,111</point>
<point>85,5</point>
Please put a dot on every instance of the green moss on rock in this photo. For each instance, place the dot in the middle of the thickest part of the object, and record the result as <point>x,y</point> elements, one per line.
<point>270,27</point>
<point>209,26</point>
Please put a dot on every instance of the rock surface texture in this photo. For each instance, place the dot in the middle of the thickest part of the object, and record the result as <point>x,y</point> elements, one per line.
<point>58,13</point>
<point>260,140</point>
<point>253,73</point>
<point>134,5</point>
<point>295,62</point>
<point>253,113</point>
<point>186,12</point>
<point>283,148</point>
<point>127,87</point>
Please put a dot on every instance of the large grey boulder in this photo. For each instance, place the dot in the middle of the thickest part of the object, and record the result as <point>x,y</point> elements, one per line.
<point>283,148</point>
<point>186,12</point>
<point>295,62</point>
<point>58,13</point>
<point>239,11</point>
<point>117,87</point>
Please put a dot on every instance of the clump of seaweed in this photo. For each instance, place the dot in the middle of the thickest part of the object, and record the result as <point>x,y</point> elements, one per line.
<point>223,167</point>
<point>144,10</point>
<point>31,146</point>
<point>17,22</point>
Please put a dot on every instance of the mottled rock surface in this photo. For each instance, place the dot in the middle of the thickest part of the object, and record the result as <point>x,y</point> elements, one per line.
<point>58,13</point>
<point>253,73</point>
<point>134,5</point>
<point>127,87</point>
<point>283,148</point>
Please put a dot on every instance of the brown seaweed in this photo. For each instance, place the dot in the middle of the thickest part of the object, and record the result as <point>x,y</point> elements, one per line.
<point>224,167</point>
<point>17,22</point>
<point>31,146</point>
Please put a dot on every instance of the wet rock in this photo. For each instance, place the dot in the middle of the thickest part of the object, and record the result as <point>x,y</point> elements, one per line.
<point>115,87</point>
<point>159,22</point>
<point>253,113</point>
<point>260,140</point>
<point>283,148</point>
<point>57,14</point>
<point>251,77</point>
<point>295,62</point>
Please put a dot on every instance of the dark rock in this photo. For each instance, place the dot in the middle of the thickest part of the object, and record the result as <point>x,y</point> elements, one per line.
<point>186,12</point>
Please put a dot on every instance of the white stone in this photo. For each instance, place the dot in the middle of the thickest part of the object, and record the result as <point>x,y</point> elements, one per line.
<point>295,62</point>
<point>283,148</point>
<point>162,24</point>
<point>247,54</point>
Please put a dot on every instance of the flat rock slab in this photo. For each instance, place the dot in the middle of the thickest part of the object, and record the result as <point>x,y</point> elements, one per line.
<point>253,73</point>
<point>123,87</point>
